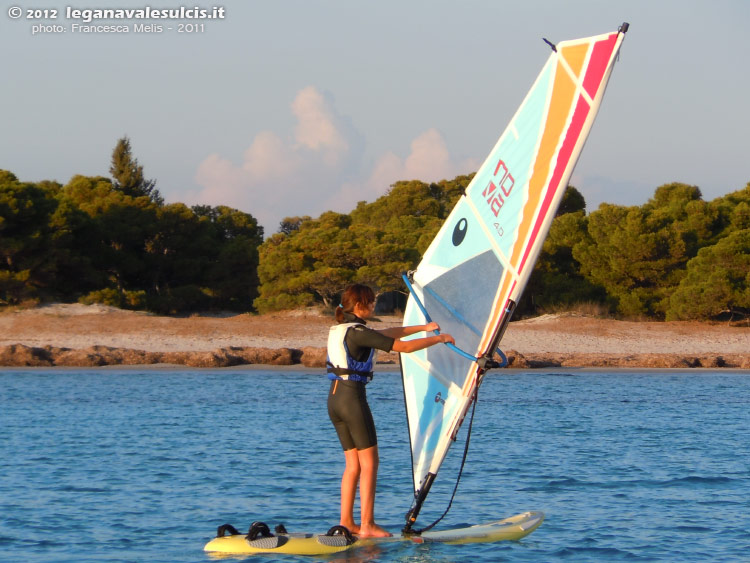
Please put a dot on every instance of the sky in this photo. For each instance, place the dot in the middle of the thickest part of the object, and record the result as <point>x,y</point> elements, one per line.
<point>295,107</point>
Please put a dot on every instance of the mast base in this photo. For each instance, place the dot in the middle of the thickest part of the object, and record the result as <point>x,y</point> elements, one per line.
<point>419,497</point>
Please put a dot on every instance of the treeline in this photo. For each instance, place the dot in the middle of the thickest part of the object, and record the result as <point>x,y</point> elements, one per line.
<point>115,241</point>
<point>675,257</point>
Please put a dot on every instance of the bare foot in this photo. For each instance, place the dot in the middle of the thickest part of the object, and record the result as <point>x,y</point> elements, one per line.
<point>351,526</point>
<point>373,531</point>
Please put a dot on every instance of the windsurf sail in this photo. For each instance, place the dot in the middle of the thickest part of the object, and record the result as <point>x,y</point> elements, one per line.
<point>473,273</point>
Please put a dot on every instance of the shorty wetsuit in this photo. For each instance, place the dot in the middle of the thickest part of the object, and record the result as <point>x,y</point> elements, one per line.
<point>347,399</point>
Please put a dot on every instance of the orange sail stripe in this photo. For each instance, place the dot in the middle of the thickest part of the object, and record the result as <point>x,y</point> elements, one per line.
<point>575,56</point>
<point>561,101</point>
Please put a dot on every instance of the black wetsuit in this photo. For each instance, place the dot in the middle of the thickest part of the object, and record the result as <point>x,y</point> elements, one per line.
<point>347,400</point>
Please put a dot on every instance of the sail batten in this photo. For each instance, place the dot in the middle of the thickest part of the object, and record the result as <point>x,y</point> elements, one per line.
<point>476,268</point>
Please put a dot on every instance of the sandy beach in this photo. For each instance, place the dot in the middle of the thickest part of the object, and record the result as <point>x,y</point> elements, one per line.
<point>94,335</point>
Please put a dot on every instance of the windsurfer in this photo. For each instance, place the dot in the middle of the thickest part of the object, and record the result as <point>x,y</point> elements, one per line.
<point>351,347</point>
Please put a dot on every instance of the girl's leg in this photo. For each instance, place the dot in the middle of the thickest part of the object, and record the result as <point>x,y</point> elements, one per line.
<point>349,489</point>
<point>368,463</point>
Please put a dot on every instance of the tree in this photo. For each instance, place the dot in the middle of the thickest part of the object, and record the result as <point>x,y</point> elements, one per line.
<point>395,230</point>
<point>232,275</point>
<point>732,211</point>
<point>27,253</point>
<point>128,174</point>
<point>557,280</point>
<point>413,198</point>
<point>332,255</point>
<point>393,248</point>
<point>282,262</point>
<point>290,224</point>
<point>717,281</point>
<point>89,240</point>
<point>639,254</point>
<point>177,252</point>
<point>625,255</point>
<point>124,225</point>
<point>572,202</point>
<point>74,244</point>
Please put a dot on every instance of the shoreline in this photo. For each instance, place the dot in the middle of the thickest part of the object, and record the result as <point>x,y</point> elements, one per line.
<point>93,336</point>
<point>379,369</point>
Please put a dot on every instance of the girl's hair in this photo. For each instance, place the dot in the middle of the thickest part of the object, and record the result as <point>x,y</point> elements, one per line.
<point>357,293</point>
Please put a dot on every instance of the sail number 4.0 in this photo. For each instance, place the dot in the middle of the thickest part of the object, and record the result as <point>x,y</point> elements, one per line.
<point>498,190</point>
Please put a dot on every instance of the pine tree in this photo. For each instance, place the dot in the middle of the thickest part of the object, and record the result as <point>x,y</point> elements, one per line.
<point>128,174</point>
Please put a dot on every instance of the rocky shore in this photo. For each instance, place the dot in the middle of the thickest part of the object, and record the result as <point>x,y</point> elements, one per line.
<point>91,336</point>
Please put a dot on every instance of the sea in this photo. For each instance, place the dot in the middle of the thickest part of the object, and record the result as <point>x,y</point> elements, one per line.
<point>123,465</point>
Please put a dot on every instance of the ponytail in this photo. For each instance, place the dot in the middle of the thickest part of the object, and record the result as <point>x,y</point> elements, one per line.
<point>339,314</point>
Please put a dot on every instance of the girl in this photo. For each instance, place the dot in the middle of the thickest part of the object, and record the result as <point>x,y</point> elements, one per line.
<point>351,351</point>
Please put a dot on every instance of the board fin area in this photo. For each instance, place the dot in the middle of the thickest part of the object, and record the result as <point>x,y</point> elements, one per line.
<point>337,539</point>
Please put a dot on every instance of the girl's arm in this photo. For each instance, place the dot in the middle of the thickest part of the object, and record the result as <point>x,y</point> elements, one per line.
<point>401,331</point>
<point>407,346</point>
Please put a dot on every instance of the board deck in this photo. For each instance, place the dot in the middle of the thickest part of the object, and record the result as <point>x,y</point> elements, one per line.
<point>513,528</point>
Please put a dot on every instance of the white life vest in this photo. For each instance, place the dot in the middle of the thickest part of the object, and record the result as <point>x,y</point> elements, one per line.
<point>340,363</point>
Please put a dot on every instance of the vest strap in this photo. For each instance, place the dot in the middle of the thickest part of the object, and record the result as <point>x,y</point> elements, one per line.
<point>348,374</point>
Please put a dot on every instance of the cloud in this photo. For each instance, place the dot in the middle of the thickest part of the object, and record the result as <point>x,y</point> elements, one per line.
<point>319,168</point>
<point>429,160</point>
<point>266,161</point>
<point>319,128</point>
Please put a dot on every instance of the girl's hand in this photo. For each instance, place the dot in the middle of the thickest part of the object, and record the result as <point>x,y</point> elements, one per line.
<point>447,339</point>
<point>433,326</point>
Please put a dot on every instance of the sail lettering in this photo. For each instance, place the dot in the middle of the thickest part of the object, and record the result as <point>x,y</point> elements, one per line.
<point>496,197</point>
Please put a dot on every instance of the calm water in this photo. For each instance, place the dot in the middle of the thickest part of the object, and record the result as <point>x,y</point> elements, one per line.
<point>116,465</point>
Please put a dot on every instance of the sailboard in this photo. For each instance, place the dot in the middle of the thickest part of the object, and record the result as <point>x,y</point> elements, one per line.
<point>472,274</point>
<point>260,539</point>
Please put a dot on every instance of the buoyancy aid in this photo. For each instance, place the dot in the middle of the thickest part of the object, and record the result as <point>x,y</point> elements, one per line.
<point>340,363</point>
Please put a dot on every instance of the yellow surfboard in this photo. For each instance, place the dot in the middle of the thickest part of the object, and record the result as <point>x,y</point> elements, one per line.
<point>513,528</point>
